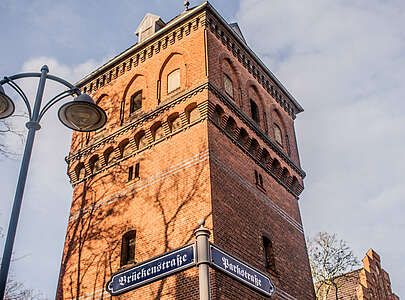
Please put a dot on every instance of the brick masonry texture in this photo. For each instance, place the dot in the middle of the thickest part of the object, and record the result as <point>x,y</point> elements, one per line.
<point>195,168</point>
<point>369,282</point>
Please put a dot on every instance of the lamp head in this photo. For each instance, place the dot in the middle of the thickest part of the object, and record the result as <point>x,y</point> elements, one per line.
<point>82,114</point>
<point>6,105</point>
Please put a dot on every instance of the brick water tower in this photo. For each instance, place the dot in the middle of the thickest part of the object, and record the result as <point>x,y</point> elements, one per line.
<point>198,128</point>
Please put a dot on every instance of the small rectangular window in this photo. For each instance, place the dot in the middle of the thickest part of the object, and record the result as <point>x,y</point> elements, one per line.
<point>136,175</point>
<point>269,255</point>
<point>254,111</point>
<point>259,179</point>
<point>133,172</point>
<point>128,248</point>
<point>130,173</point>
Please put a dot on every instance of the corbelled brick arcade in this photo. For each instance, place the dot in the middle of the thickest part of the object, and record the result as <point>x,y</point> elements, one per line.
<point>198,128</point>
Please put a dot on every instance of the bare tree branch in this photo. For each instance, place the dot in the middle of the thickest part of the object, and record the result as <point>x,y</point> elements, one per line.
<point>331,262</point>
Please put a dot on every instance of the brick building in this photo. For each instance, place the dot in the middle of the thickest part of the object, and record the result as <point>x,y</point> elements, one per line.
<point>371,282</point>
<point>198,128</point>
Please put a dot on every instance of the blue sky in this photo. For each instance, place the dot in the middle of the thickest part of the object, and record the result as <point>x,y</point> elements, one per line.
<point>343,60</point>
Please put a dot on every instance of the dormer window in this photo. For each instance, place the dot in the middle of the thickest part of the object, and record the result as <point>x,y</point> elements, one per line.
<point>149,25</point>
<point>173,81</point>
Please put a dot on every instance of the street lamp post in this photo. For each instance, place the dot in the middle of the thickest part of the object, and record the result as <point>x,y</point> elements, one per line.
<point>82,114</point>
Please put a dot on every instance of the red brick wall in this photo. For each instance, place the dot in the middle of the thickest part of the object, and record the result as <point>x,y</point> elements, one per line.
<point>195,172</point>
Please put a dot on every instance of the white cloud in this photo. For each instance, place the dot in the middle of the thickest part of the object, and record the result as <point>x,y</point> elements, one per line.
<point>345,62</point>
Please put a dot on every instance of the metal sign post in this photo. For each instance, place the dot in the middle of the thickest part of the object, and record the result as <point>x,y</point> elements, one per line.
<point>203,254</point>
<point>203,260</point>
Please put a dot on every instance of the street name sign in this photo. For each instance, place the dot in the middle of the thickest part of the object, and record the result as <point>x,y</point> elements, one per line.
<point>241,271</point>
<point>152,270</point>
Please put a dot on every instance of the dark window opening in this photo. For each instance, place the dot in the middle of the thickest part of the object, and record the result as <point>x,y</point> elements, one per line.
<point>254,110</point>
<point>259,179</point>
<point>136,175</point>
<point>269,255</point>
<point>136,102</point>
<point>128,248</point>
<point>133,172</point>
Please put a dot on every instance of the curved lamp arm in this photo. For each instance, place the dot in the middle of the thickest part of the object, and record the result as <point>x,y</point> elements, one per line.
<point>82,114</point>
<point>54,100</point>
<point>72,90</point>
<point>48,76</point>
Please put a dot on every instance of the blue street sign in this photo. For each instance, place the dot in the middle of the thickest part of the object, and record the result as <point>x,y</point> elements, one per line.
<point>151,270</point>
<point>241,271</point>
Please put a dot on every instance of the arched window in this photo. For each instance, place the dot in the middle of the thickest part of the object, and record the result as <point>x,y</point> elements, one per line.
<point>124,148</point>
<point>230,126</point>
<point>254,147</point>
<point>158,132</point>
<point>193,114</point>
<point>269,255</point>
<point>228,85</point>
<point>275,167</point>
<point>94,164</point>
<point>128,248</point>
<point>265,157</point>
<point>173,81</point>
<point>174,122</point>
<point>141,140</point>
<point>243,137</point>
<point>109,156</point>
<point>285,175</point>
<point>80,171</point>
<point>277,134</point>
<point>254,110</point>
<point>136,102</point>
<point>218,113</point>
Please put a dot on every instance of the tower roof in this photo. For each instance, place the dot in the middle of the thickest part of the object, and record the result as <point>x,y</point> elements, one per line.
<point>232,28</point>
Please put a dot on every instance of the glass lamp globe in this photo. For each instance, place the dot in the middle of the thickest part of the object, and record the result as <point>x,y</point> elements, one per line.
<point>82,114</point>
<point>6,105</point>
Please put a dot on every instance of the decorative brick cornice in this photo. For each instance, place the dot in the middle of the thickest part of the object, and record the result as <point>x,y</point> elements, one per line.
<point>254,127</point>
<point>203,109</point>
<point>295,191</point>
<point>164,106</point>
<point>141,52</point>
<point>253,64</point>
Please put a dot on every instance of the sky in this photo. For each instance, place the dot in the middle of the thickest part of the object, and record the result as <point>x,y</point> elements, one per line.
<point>344,61</point>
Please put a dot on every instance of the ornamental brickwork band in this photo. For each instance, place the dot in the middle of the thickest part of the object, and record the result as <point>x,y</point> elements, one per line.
<point>198,128</point>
